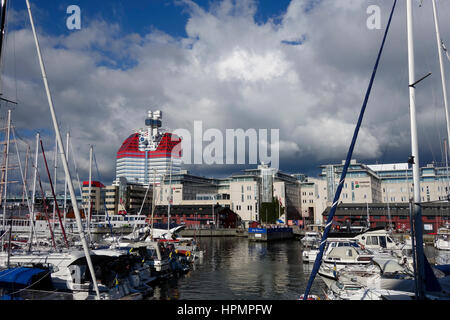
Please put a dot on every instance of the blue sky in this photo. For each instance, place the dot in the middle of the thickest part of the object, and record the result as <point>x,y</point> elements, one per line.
<point>137,16</point>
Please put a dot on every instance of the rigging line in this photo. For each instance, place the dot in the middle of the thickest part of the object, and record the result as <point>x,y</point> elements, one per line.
<point>419,16</point>
<point>22,175</point>
<point>44,203</point>
<point>445,50</point>
<point>23,139</point>
<point>318,260</point>
<point>55,204</point>
<point>426,135</point>
<point>104,202</point>
<point>76,172</point>
<point>15,63</point>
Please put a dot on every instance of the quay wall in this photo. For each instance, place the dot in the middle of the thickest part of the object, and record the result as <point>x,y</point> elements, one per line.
<point>212,233</point>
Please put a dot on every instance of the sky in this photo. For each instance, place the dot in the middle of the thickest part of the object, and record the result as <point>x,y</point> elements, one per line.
<point>300,66</point>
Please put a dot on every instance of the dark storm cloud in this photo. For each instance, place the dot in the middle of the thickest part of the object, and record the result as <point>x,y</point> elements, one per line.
<point>232,72</point>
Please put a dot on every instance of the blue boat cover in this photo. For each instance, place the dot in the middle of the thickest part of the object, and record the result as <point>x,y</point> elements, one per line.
<point>19,276</point>
<point>9,297</point>
<point>445,268</point>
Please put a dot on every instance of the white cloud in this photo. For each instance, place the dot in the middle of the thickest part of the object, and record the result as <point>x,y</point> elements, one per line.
<point>232,72</point>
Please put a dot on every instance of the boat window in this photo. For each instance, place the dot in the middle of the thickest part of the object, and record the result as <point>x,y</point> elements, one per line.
<point>352,288</point>
<point>382,242</point>
<point>349,253</point>
<point>372,240</point>
<point>389,240</point>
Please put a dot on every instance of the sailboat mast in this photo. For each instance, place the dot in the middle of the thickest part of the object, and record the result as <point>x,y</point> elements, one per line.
<point>441,65</point>
<point>415,154</point>
<point>4,4</point>
<point>88,220</point>
<point>153,203</point>
<point>25,175</point>
<point>64,159</point>
<point>5,202</point>
<point>368,215</point>
<point>33,199</point>
<point>170,194</point>
<point>55,159</point>
<point>54,196</point>
<point>142,206</point>
<point>65,181</point>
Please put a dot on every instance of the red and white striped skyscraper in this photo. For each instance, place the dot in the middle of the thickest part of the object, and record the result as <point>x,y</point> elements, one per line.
<point>148,153</point>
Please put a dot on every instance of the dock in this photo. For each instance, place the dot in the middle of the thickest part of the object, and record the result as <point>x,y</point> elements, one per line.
<point>270,233</point>
<point>220,232</point>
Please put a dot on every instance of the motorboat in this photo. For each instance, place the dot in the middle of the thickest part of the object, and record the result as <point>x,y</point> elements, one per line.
<point>338,255</point>
<point>349,290</point>
<point>381,274</point>
<point>154,253</point>
<point>442,238</point>
<point>311,239</point>
<point>309,255</point>
<point>187,247</point>
<point>379,239</point>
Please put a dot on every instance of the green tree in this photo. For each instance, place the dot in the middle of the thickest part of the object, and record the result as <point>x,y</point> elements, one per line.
<point>269,211</point>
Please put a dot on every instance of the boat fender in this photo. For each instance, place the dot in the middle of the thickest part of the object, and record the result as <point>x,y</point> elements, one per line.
<point>188,253</point>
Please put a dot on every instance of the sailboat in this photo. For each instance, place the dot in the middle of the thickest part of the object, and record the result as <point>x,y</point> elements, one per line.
<point>75,270</point>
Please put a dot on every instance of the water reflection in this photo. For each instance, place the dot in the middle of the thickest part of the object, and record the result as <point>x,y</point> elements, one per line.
<point>235,268</point>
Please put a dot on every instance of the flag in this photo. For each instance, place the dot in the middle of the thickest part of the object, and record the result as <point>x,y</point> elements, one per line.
<point>122,210</point>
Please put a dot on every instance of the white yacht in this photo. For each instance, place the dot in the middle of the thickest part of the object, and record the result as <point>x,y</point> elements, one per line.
<point>442,239</point>
<point>381,274</point>
<point>379,240</point>
<point>311,239</point>
<point>349,290</point>
<point>339,255</point>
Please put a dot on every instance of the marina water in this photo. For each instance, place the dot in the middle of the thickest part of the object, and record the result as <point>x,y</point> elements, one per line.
<point>235,268</point>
